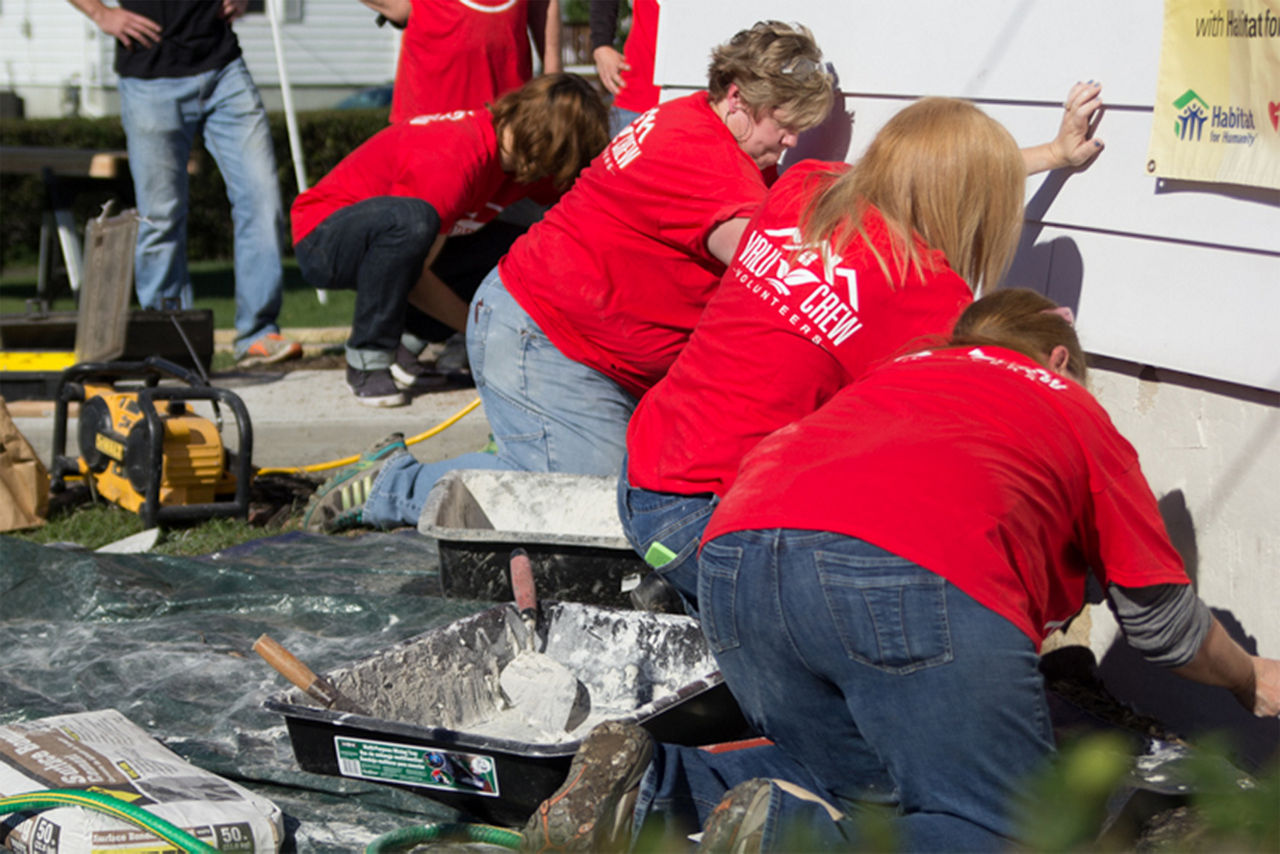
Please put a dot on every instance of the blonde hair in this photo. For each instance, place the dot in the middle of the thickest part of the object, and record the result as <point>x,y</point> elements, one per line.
<point>776,66</point>
<point>1022,320</point>
<point>558,123</point>
<point>942,170</point>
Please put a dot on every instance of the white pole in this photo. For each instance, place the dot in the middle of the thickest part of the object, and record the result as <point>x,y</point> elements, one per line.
<point>275,15</point>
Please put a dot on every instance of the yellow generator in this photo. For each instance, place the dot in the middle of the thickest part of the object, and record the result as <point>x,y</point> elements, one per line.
<point>165,465</point>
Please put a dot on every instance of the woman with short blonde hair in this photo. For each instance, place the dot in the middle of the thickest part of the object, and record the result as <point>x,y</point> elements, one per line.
<point>591,306</point>
<point>842,267</point>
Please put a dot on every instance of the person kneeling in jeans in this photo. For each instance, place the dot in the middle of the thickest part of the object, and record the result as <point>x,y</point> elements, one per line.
<point>875,587</point>
<point>378,221</point>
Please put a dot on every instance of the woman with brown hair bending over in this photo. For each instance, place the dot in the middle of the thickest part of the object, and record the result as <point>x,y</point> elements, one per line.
<point>875,587</point>
<point>377,223</point>
<point>591,306</point>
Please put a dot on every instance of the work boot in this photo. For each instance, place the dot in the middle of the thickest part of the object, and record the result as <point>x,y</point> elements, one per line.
<point>408,373</point>
<point>375,388</point>
<point>592,810</point>
<point>339,502</point>
<point>268,350</point>
<point>736,825</point>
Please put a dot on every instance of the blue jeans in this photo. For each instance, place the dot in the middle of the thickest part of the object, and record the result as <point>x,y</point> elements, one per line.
<point>377,247</point>
<point>547,412</point>
<point>880,679</point>
<point>675,521</point>
<point>161,118</point>
<point>620,118</point>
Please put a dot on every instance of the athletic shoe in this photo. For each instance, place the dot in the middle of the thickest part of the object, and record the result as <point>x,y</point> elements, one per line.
<point>736,825</point>
<point>453,358</point>
<point>375,388</point>
<point>408,373</point>
<point>339,502</point>
<point>269,349</point>
<point>592,810</point>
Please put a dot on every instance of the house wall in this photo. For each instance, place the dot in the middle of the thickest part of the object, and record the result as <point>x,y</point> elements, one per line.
<point>1176,285</point>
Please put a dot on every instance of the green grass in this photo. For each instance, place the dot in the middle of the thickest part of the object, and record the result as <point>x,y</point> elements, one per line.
<point>95,525</point>
<point>214,284</point>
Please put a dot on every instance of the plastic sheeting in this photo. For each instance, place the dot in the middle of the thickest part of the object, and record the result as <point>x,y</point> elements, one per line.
<point>167,641</point>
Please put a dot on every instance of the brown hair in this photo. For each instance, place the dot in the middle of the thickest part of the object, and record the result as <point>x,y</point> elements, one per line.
<point>1022,320</point>
<point>942,170</point>
<point>558,123</point>
<point>776,67</point>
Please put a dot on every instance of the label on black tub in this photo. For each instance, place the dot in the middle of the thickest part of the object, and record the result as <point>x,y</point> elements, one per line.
<point>414,765</point>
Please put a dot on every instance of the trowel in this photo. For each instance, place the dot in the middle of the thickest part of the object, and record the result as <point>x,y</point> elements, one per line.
<point>540,688</point>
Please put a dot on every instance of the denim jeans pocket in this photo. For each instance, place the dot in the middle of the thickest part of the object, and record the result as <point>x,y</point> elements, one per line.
<point>890,613</point>
<point>480,314</point>
<point>718,566</point>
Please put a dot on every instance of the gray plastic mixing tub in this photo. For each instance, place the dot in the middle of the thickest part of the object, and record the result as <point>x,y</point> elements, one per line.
<point>568,523</point>
<point>439,725</point>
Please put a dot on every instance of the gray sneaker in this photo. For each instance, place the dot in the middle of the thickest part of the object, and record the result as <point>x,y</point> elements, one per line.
<point>592,810</point>
<point>375,388</point>
<point>339,502</point>
<point>736,825</point>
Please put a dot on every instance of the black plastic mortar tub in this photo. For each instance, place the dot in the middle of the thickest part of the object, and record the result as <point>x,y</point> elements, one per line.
<point>568,524</point>
<point>437,726</point>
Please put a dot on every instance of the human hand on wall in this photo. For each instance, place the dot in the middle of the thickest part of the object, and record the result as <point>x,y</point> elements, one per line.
<point>1075,145</point>
<point>609,66</point>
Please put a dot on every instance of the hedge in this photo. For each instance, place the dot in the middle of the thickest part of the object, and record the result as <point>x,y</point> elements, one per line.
<point>326,137</point>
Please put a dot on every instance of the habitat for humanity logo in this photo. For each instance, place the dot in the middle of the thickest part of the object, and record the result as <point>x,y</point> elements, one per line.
<point>1193,112</point>
<point>1230,125</point>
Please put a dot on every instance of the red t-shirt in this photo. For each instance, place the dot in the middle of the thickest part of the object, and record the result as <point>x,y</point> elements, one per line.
<point>449,161</point>
<point>1001,476</point>
<point>638,92</point>
<point>460,55</point>
<point>782,334</point>
<point>618,272</point>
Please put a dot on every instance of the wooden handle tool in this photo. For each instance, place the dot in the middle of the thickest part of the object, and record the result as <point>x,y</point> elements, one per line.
<point>317,688</point>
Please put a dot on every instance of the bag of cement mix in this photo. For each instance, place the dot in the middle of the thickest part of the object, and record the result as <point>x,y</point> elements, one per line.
<point>104,753</point>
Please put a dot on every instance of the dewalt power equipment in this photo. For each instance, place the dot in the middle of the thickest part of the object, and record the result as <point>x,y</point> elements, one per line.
<point>168,465</point>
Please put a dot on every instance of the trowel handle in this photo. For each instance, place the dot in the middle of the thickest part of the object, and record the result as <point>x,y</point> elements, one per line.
<point>522,589</point>
<point>316,687</point>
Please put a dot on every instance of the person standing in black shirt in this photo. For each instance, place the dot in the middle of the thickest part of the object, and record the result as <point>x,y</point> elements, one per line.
<point>182,75</point>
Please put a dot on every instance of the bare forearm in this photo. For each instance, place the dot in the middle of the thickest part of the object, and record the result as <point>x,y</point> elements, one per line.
<point>129,28</point>
<point>92,9</point>
<point>544,26</point>
<point>1221,662</point>
<point>433,297</point>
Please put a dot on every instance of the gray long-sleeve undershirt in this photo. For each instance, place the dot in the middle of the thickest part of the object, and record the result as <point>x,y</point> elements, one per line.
<point>1166,623</point>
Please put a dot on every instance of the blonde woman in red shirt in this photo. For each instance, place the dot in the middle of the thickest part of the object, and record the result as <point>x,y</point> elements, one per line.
<point>842,268</point>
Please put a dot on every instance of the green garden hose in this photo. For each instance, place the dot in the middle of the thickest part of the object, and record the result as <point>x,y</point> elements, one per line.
<point>406,837</point>
<point>170,833</point>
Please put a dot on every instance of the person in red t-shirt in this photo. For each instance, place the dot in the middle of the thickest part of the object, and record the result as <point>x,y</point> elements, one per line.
<point>464,54</point>
<point>841,268</point>
<point>628,76</point>
<point>875,587</point>
<point>377,221</point>
<point>592,304</point>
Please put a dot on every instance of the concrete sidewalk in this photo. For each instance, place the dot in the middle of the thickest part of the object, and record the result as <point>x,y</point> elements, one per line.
<point>306,416</point>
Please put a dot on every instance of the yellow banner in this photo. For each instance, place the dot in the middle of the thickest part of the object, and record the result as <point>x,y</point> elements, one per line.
<point>1217,110</point>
